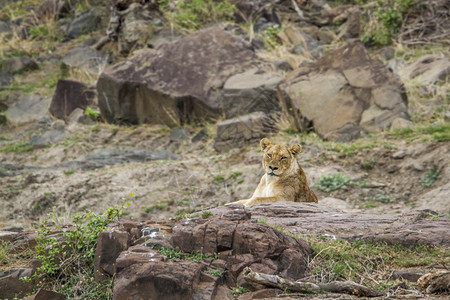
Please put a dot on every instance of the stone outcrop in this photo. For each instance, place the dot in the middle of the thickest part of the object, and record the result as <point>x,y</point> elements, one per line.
<point>343,94</point>
<point>408,229</point>
<point>176,83</point>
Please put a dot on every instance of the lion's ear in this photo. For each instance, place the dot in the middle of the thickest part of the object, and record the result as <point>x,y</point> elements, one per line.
<point>265,142</point>
<point>295,150</point>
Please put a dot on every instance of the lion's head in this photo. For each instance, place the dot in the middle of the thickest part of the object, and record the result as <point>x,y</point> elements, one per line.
<point>278,158</point>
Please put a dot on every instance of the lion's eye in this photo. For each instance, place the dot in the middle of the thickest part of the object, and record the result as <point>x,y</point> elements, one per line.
<point>283,158</point>
<point>269,155</point>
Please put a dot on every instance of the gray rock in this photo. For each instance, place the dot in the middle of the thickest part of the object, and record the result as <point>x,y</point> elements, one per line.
<point>19,64</point>
<point>427,69</point>
<point>176,83</point>
<point>70,95</point>
<point>283,65</point>
<point>79,116</point>
<point>249,92</point>
<point>410,275</point>
<point>84,23</point>
<point>401,123</point>
<point>29,108</point>
<point>179,134</point>
<point>47,138</point>
<point>344,94</point>
<point>200,136</point>
<point>239,131</point>
<point>6,79</point>
<point>86,58</point>
<point>399,154</point>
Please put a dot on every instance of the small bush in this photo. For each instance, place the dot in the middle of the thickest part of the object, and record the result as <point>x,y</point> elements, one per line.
<point>385,19</point>
<point>332,182</point>
<point>67,256</point>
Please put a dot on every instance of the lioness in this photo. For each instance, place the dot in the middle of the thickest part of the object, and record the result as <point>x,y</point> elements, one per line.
<point>284,179</point>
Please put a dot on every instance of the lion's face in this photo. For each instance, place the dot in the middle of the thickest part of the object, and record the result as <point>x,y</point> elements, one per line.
<point>278,158</point>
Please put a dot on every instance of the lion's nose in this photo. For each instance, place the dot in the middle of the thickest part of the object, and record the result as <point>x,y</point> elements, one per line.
<point>273,168</point>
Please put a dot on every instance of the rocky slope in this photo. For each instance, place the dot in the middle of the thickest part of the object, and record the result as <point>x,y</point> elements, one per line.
<point>101,106</point>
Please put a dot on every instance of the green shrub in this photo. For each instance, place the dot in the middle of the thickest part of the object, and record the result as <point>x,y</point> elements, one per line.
<point>332,182</point>
<point>385,19</point>
<point>67,255</point>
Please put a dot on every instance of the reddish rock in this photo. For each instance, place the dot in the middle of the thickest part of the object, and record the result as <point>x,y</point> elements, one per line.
<point>109,246</point>
<point>11,285</point>
<point>171,280</point>
<point>244,243</point>
<point>407,229</point>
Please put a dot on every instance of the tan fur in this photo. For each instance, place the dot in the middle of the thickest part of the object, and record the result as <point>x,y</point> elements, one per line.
<point>284,179</point>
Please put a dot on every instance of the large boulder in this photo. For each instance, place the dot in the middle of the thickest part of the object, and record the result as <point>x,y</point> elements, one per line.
<point>176,83</point>
<point>344,94</point>
<point>68,96</point>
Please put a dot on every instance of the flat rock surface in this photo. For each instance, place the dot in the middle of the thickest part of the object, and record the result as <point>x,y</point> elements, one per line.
<point>310,218</point>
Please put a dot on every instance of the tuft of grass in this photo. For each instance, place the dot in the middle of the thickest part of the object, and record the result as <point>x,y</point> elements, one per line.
<point>219,179</point>
<point>18,148</point>
<point>192,15</point>
<point>332,182</point>
<point>206,214</point>
<point>430,177</point>
<point>216,272</point>
<point>439,132</point>
<point>69,172</point>
<point>177,254</point>
<point>4,252</point>
<point>239,290</point>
